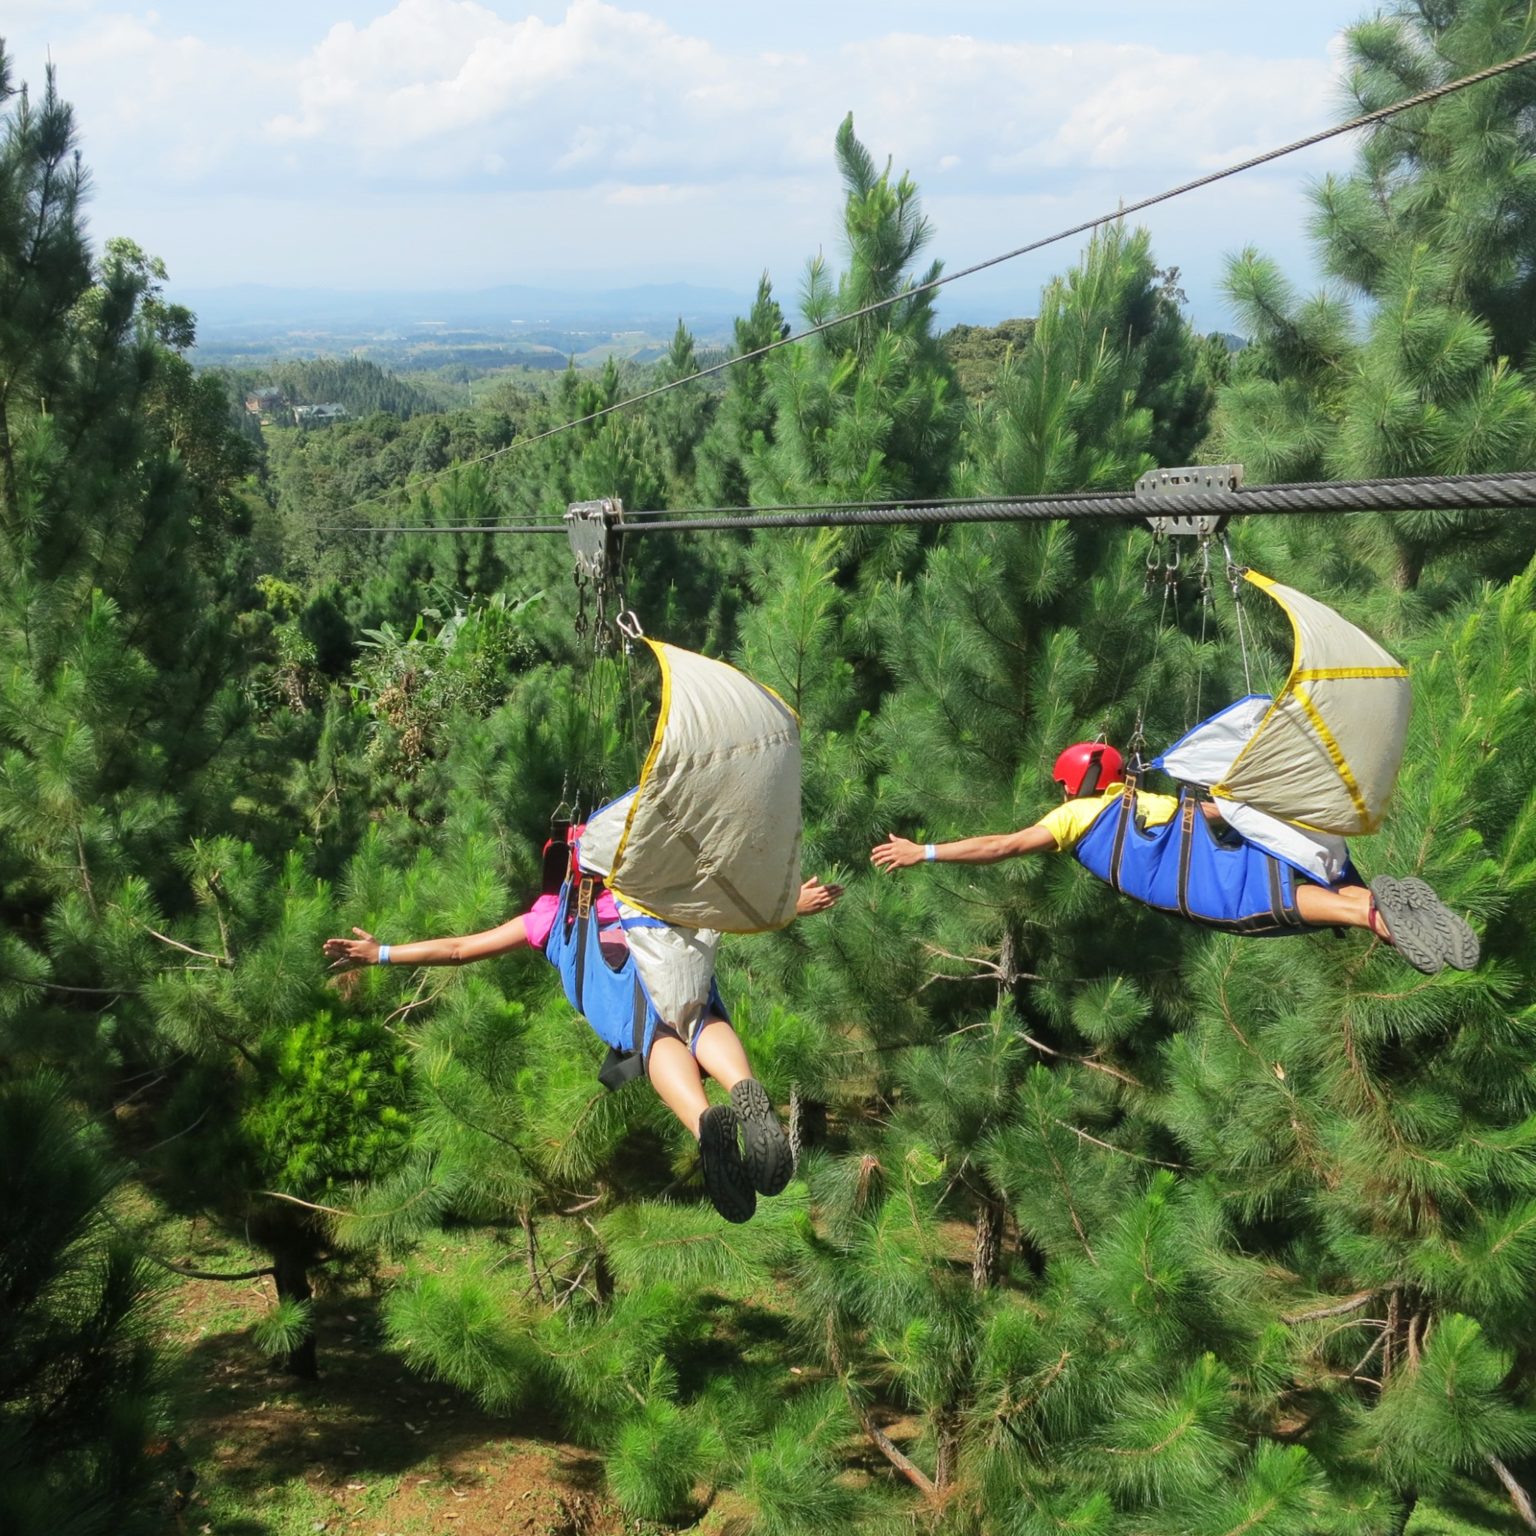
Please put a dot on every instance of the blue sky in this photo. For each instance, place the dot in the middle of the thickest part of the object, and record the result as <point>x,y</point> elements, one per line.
<point>450,144</point>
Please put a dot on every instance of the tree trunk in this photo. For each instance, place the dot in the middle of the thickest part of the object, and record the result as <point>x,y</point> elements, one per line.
<point>1405,1513</point>
<point>602,1277</point>
<point>291,1271</point>
<point>987,1249</point>
<point>807,1123</point>
<point>947,1433</point>
<point>9,497</point>
<point>1410,566</point>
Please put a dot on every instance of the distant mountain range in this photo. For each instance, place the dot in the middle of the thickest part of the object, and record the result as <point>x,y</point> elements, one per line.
<point>650,307</point>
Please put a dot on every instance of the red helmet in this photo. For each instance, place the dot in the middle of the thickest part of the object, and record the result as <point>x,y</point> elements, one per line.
<point>1088,768</point>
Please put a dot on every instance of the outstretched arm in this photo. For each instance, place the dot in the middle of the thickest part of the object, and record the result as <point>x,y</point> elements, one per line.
<point>816,897</point>
<point>901,853</point>
<point>350,954</point>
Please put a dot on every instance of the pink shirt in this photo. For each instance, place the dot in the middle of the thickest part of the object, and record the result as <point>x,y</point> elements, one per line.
<point>540,917</point>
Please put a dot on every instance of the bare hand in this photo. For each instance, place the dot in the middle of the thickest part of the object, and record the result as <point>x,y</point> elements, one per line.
<point>352,954</point>
<point>816,897</point>
<point>896,853</point>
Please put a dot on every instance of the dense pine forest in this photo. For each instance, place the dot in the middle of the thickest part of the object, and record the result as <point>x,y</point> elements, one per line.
<point>1103,1223</point>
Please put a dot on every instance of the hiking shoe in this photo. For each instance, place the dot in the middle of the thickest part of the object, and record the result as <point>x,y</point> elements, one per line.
<point>768,1157</point>
<point>726,1180</point>
<point>1459,945</point>
<point>1411,928</point>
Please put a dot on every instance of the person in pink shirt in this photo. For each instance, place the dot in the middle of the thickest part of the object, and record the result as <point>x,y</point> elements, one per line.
<point>675,1071</point>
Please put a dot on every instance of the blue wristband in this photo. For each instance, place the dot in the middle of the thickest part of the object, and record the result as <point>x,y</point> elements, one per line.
<point>931,852</point>
<point>383,955</point>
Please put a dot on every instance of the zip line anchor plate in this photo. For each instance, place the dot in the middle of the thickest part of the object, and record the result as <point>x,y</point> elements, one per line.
<point>1168,485</point>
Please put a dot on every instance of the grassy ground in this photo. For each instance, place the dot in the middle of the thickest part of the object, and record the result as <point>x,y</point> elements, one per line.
<point>368,1448</point>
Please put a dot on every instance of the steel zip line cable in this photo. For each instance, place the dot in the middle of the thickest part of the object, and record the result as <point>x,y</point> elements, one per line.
<point>1515,489</point>
<point>1381,114</point>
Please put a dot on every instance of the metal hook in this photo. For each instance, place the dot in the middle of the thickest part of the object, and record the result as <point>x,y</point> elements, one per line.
<point>628,625</point>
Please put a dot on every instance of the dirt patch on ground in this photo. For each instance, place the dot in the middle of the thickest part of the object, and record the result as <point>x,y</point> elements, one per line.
<point>367,1448</point>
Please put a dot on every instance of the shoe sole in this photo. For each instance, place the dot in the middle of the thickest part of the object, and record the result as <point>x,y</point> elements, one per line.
<point>768,1157</point>
<point>1414,936</point>
<point>726,1180</point>
<point>1459,945</point>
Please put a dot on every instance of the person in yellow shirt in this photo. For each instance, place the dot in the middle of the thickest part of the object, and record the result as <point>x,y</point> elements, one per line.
<point>1403,913</point>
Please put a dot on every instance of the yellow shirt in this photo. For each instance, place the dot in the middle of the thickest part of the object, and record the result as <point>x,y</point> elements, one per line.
<point>1067,823</point>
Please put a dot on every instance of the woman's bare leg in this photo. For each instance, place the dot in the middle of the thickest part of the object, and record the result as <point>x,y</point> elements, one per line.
<point>675,1076</point>
<point>674,1069</point>
<point>721,1053</point>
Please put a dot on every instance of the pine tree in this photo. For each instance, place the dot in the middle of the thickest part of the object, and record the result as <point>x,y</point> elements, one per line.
<point>743,425</point>
<point>82,1388</point>
<point>868,409</point>
<point>1431,237</point>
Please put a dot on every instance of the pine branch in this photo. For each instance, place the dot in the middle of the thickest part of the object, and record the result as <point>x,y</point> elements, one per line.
<point>984,968</point>
<point>1339,1309</point>
<point>1082,1061</point>
<point>1109,1146</point>
<point>222,961</point>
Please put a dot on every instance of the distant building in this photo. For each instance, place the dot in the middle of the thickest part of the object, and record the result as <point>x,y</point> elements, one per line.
<point>318,415</point>
<point>264,402</point>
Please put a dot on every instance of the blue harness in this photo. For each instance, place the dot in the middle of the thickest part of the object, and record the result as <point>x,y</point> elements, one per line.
<point>612,999</point>
<point>1180,867</point>
<point>609,998</point>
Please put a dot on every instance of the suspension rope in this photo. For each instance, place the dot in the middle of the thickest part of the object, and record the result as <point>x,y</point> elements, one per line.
<point>1122,211</point>
<point>1506,489</point>
<point>1235,580</point>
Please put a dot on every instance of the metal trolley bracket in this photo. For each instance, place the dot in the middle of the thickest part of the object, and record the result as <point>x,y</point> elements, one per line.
<point>1168,485</point>
<point>596,532</point>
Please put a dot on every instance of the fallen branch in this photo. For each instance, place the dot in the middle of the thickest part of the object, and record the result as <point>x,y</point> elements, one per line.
<point>208,1274</point>
<point>191,1274</point>
<point>1517,1495</point>
<point>330,1210</point>
<point>893,1454</point>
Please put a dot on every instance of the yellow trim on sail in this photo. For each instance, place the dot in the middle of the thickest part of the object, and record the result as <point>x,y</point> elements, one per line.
<point>1327,674</point>
<point>650,761</point>
<point>1335,754</point>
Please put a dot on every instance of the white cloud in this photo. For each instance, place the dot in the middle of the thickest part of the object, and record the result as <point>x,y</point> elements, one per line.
<point>173,107</point>
<point>552,123</point>
<point>434,92</point>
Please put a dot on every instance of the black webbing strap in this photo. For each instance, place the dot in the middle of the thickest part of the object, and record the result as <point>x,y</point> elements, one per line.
<point>583,908</point>
<point>1122,826</point>
<point>1276,894</point>
<point>1187,813</point>
<point>639,1019</point>
<point>1283,912</point>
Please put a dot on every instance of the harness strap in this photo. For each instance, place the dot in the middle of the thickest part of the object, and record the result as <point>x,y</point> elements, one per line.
<point>583,909</point>
<point>1186,852</point>
<point>1122,826</point>
<point>640,1009</point>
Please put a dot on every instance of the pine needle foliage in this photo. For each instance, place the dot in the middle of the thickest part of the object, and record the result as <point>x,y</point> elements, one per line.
<point>81,1383</point>
<point>1414,363</point>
